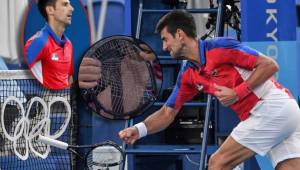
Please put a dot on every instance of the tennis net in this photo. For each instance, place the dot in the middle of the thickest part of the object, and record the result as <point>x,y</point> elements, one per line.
<point>29,109</point>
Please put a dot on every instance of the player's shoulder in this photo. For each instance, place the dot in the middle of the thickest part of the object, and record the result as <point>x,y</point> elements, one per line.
<point>221,42</point>
<point>40,37</point>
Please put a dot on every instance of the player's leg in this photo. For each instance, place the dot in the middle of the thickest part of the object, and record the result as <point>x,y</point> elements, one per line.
<point>269,126</point>
<point>289,164</point>
<point>240,145</point>
<point>229,155</point>
<point>286,155</point>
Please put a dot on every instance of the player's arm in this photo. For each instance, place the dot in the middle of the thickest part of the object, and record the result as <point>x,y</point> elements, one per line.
<point>165,115</point>
<point>156,122</point>
<point>239,55</point>
<point>162,118</point>
<point>264,68</point>
<point>35,49</point>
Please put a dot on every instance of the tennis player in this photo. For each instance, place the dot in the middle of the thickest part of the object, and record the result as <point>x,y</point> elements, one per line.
<point>240,78</point>
<point>49,53</point>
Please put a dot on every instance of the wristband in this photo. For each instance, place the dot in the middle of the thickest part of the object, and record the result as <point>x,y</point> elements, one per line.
<point>142,129</point>
<point>242,90</point>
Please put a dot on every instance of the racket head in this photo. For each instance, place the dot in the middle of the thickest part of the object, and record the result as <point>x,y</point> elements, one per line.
<point>130,77</point>
<point>104,155</point>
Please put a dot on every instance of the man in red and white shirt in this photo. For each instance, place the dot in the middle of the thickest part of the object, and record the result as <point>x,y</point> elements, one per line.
<point>49,53</point>
<point>240,78</point>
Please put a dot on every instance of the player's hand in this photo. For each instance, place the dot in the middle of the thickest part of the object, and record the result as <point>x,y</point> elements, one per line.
<point>225,95</point>
<point>89,73</point>
<point>129,135</point>
<point>146,53</point>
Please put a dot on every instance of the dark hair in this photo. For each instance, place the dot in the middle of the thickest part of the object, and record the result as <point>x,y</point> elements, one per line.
<point>42,4</point>
<point>177,19</point>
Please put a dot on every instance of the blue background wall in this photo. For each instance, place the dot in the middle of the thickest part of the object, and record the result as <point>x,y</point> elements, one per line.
<point>271,29</point>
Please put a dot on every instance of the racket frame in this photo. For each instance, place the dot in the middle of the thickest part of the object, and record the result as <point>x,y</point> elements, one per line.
<point>74,148</point>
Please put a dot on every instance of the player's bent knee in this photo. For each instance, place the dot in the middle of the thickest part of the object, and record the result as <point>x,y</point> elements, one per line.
<point>289,164</point>
<point>219,161</point>
<point>216,161</point>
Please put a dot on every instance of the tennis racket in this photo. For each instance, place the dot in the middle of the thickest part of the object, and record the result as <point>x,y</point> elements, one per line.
<point>130,77</point>
<point>99,156</point>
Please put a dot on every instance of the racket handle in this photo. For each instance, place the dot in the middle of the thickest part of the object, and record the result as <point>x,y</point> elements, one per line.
<point>53,142</point>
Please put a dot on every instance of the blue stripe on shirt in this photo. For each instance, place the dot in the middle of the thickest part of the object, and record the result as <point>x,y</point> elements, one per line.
<point>227,42</point>
<point>36,45</point>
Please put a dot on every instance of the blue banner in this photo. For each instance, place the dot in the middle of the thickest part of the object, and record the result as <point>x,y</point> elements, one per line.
<point>270,27</point>
<point>268,20</point>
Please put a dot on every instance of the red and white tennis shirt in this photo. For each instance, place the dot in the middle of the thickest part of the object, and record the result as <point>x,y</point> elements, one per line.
<point>50,58</point>
<point>225,62</point>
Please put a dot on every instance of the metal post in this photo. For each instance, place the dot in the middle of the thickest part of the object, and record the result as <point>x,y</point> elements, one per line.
<point>219,32</point>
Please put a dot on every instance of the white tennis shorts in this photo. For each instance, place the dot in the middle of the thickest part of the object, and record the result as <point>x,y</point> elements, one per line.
<point>272,129</point>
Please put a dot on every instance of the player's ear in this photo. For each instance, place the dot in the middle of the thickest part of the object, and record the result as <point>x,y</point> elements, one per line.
<point>49,10</point>
<point>180,34</point>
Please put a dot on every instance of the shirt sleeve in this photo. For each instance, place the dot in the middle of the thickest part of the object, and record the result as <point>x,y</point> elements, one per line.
<point>233,52</point>
<point>183,90</point>
<point>34,49</point>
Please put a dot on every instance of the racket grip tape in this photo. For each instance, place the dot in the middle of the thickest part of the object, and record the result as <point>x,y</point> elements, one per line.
<point>53,142</point>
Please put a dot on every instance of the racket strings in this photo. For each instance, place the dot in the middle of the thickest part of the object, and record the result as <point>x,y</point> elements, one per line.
<point>104,156</point>
<point>142,81</point>
<point>126,84</point>
<point>105,51</point>
<point>110,65</point>
<point>111,80</point>
<point>135,76</point>
<point>140,92</point>
<point>138,69</point>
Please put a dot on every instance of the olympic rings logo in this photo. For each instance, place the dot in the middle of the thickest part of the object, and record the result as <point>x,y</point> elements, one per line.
<point>29,130</point>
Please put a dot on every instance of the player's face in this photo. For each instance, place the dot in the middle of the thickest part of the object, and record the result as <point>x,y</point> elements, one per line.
<point>172,44</point>
<point>63,12</point>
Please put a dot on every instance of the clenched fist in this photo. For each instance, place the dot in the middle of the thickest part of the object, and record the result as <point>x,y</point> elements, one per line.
<point>129,135</point>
